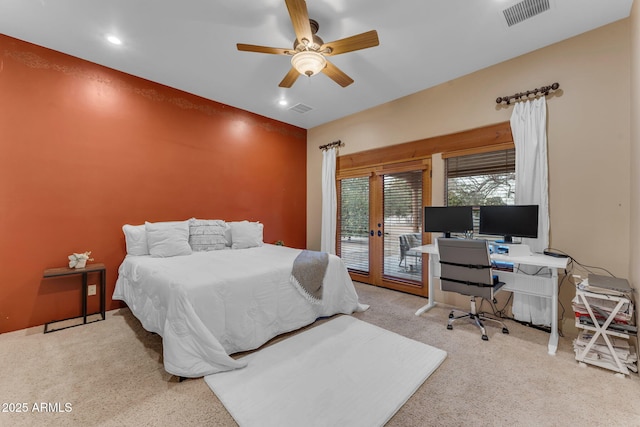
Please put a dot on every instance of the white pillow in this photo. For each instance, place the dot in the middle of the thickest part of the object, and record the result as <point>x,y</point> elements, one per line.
<point>135,237</point>
<point>245,234</point>
<point>207,234</point>
<point>167,239</point>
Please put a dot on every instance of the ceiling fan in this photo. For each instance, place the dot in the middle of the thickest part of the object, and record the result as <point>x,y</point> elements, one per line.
<point>309,52</point>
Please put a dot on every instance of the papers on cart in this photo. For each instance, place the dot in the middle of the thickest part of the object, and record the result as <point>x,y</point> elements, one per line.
<point>602,308</point>
<point>599,353</point>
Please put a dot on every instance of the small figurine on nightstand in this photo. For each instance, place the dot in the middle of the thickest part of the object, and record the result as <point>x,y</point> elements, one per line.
<point>79,260</point>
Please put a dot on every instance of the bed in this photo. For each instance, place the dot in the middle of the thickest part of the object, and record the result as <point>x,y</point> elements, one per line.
<point>207,305</point>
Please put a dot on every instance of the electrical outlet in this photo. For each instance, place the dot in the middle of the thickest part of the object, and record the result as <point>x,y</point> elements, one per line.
<point>91,290</point>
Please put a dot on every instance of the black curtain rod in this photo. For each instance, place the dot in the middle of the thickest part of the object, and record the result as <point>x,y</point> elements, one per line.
<point>337,143</point>
<point>536,91</point>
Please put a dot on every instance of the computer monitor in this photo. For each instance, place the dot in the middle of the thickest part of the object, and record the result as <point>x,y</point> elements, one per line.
<point>509,221</point>
<point>448,219</point>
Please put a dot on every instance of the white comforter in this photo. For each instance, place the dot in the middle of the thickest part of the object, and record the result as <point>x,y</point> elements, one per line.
<point>211,304</point>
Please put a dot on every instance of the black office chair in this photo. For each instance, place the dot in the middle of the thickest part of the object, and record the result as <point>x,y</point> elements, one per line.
<point>465,268</point>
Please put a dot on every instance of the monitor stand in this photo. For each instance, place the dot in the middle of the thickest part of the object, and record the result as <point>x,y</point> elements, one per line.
<point>508,240</point>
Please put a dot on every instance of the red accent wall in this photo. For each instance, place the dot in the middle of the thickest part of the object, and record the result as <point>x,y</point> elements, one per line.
<point>85,149</point>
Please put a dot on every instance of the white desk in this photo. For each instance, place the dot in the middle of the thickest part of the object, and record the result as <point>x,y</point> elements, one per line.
<point>546,287</point>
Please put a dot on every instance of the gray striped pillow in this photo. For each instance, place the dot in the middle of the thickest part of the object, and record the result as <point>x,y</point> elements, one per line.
<point>207,234</point>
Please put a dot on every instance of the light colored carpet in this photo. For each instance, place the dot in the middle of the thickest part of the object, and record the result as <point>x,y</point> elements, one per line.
<point>344,372</point>
<point>112,373</point>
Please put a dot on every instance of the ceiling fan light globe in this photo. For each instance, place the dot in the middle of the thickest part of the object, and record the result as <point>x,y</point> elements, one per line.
<point>308,63</point>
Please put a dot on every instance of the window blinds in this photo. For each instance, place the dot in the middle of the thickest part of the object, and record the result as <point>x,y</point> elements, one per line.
<point>353,210</point>
<point>494,162</point>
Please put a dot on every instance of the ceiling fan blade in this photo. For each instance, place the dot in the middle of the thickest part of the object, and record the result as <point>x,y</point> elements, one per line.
<point>264,49</point>
<point>349,44</point>
<point>300,19</point>
<point>290,78</point>
<point>337,75</point>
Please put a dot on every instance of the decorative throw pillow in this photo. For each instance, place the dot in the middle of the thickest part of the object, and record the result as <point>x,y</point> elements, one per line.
<point>167,239</point>
<point>207,234</point>
<point>245,234</point>
<point>135,237</point>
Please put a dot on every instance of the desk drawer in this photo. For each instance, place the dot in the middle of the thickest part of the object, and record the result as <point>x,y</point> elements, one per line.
<point>526,284</point>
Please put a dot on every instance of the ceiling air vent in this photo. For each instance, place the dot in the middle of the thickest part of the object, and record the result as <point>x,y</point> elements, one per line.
<point>524,10</point>
<point>300,108</point>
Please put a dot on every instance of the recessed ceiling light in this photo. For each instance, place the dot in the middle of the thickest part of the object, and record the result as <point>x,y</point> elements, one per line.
<point>283,102</point>
<point>114,40</point>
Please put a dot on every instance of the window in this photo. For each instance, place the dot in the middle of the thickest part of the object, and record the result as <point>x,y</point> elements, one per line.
<point>481,179</point>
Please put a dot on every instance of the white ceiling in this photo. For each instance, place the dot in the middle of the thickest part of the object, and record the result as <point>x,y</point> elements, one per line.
<point>191,44</point>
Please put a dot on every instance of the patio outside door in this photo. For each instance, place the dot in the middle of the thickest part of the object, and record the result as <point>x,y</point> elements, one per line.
<point>379,220</point>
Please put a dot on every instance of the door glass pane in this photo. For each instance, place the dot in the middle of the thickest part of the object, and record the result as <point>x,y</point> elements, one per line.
<point>402,194</point>
<point>354,223</point>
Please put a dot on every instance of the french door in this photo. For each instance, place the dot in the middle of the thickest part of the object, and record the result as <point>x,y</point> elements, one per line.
<point>380,220</point>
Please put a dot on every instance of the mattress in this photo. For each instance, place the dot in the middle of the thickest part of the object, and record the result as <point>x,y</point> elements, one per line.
<point>209,305</point>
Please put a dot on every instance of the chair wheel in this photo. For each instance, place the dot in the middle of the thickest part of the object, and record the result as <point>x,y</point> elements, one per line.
<point>505,331</point>
<point>449,327</point>
<point>485,338</point>
<point>451,315</point>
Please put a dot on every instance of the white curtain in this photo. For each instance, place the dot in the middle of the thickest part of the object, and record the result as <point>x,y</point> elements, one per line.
<point>329,201</point>
<point>529,128</point>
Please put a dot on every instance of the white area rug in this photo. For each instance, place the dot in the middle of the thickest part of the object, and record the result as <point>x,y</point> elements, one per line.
<point>345,372</point>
